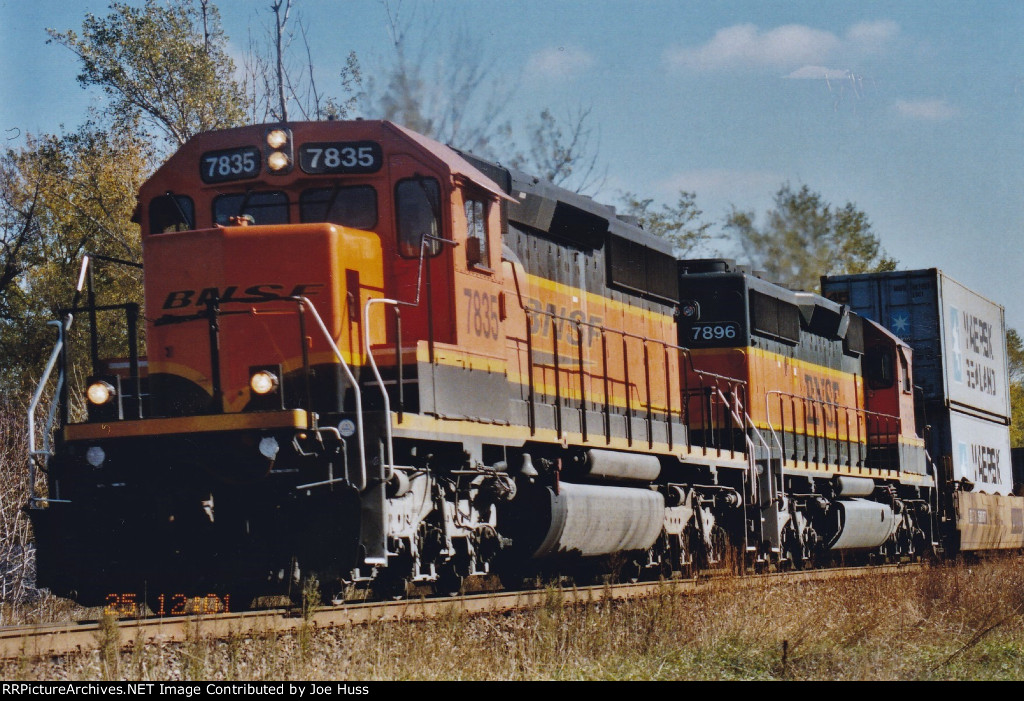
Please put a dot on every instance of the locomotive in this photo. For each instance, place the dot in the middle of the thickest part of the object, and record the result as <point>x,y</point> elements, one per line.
<point>372,358</point>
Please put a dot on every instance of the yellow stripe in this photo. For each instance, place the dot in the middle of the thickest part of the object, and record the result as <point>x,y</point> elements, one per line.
<point>802,364</point>
<point>295,418</point>
<point>594,298</point>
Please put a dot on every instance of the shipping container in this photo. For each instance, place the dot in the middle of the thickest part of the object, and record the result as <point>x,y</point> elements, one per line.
<point>979,451</point>
<point>940,319</point>
<point>959,343</point>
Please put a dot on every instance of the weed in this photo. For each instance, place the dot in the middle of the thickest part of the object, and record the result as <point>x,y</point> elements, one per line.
<point>108,641</point>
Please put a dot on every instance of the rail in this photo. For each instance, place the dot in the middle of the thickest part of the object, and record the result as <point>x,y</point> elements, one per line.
<point>33,642</point>
<point>396,305</point>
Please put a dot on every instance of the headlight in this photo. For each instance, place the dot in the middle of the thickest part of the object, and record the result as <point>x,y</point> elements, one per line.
<point>99,393</point>
<point>263,382</point>
<point>276,138</point>
<point>277,161</point>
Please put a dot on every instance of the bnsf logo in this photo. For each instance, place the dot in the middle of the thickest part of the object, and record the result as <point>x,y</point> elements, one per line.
<point>257,293</point>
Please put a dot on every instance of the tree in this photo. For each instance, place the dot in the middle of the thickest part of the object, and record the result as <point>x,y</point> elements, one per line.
<point>451,91</point>
<point>60,197</point>
<point>162,67</point>
<point>448,89</point>
<point>561,152</point>
<point>275,78</point>
<point>679,224</point>
<point>1015,365</point>
<point>804,237</point>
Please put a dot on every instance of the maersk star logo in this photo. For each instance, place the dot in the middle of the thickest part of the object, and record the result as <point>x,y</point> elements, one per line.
<point>900,324</point>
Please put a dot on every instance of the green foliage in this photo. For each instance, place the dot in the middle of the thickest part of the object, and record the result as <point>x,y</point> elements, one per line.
<point>166,74</point>
<point>62,196</point>
<point>805,237</point>
<point>679,224</point>
<point>1015,364</point>
<point>165,66</point>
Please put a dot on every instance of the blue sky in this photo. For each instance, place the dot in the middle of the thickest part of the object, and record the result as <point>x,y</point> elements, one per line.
<point>914,111</point>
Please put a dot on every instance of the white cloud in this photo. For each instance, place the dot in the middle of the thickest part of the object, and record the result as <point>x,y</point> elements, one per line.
<point>744,45</point>
<point>820,73</point>
<point>785,47</point>
<point>928,110</point>
<point>560,62</point>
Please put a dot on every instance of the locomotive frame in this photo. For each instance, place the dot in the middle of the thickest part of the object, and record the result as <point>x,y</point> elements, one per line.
<point>373,358</point>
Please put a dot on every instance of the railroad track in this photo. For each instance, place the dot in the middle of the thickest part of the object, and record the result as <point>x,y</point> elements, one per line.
<point>58,639</point>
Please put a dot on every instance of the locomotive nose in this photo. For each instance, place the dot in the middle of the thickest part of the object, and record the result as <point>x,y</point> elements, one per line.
<point>228,336</point>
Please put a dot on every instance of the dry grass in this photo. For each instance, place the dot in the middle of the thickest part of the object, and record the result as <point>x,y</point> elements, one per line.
<point>943,623</point>
<point>20,601</point>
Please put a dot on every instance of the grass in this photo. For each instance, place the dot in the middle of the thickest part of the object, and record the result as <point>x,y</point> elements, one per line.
<point>956,623</point>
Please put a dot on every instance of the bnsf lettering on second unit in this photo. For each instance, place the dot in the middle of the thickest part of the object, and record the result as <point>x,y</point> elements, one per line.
<point>179,299</point>
<point>541,318</point>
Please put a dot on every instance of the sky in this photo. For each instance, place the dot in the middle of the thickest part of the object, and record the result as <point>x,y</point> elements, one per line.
<point>911,110</point>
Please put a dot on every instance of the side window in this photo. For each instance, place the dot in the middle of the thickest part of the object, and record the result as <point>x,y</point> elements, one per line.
<point>171,213</point>
<point>905,374</point>
<point>348,206</point>
<point>477,252</point>
<point>417,211</point>
<point>878,368</point>
<point>266,207</point>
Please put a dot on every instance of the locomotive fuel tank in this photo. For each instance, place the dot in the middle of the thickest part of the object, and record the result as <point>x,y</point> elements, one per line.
<point>584,520</point>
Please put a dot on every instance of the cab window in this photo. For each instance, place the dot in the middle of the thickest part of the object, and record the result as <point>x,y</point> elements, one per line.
<point>905,374</point>
<point>265,207</point>
<point>417,211</point>
<point>878,363</point>
<point>347,206</point>
<point>476,233</point>
<point>170,213</point>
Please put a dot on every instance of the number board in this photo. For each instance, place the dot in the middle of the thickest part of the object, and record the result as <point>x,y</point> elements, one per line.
<point>230,164</point>
<point>347,157</point>
<point>719,332</point>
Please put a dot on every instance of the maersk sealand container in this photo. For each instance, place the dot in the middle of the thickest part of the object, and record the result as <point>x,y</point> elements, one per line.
<point>959,343</point>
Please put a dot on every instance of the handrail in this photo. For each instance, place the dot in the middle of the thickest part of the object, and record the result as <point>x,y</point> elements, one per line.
<point>380,381</point>
<point>834,405</point>
<point>891,420</point>
<point>62,328</point>
<point>304,303</point>
<point>602,330</point>
<point>706,378</point>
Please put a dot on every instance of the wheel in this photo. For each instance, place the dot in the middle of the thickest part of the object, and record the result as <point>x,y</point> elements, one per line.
<point>449,581</point>
<point>388,585</point>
